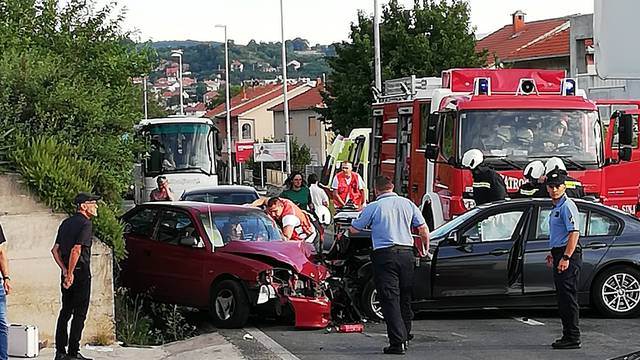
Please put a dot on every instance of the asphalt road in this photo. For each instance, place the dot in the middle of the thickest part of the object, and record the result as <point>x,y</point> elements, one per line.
<point>489,334</point>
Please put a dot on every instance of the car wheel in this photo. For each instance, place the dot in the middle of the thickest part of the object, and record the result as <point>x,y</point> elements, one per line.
<point>370,303</point>
<point>229,305</point>
<point>616,292</point>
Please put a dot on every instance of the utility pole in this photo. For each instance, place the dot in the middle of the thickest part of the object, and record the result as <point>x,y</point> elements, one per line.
<point>287,135</point>
<point>376,45</point>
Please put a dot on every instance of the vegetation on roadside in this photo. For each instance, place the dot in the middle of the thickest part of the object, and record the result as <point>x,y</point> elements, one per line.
<point>141,321</point>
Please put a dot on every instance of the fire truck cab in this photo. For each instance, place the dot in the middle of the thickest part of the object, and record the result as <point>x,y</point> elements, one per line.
<point>515,116</point>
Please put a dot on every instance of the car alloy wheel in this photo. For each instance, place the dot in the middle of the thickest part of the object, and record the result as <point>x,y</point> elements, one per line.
<point>374,303</point>
<point>621,292</point>
<point>225,304</point>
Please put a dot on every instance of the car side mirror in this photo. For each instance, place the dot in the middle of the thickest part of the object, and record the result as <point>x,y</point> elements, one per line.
<point>452,238</point>
<point>191,241</point>
<point>431,136</point>
<point>625,129</point>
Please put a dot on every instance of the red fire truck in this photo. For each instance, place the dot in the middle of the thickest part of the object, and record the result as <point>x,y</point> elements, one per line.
<point>513,116</point>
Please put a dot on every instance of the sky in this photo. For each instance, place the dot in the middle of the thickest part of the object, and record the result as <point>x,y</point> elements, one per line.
<point>319,21</point>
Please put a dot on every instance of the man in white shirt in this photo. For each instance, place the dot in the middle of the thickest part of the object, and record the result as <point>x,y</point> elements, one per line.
<point>320,200</point>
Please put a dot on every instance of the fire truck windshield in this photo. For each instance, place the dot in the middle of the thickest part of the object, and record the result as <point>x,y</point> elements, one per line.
<point>510,137</point>
<point>179,148</point>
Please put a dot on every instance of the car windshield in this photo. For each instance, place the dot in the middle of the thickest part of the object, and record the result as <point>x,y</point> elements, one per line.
<point>447,227</point>
<point>179,147</point>
<point>517,136</point>
<point>250,225</point>
<point>237,198</point>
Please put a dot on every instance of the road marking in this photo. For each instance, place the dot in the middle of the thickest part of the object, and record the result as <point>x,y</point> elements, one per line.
<point>528,321</point>
<point>271,344</point>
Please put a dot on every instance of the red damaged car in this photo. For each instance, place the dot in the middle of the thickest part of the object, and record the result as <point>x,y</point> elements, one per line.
<point>231,260</point>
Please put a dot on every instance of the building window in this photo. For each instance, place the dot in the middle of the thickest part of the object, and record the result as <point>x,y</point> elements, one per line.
<point>313,126</point>
<point>246,132</point>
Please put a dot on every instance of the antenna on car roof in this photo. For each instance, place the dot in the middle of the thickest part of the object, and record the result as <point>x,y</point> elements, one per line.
<point>210,227</point>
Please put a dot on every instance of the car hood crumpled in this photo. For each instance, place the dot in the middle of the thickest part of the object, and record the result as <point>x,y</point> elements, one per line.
<point>293,253</point>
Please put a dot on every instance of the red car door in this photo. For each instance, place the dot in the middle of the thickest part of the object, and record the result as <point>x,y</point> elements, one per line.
<point>139,228</point>
<point>177,260</point>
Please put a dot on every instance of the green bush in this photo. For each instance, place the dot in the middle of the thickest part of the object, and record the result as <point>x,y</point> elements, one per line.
<point>56,173</point>
<point>141,321</point>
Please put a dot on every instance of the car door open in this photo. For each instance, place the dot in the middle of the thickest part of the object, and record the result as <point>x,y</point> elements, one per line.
<point>477,262</point>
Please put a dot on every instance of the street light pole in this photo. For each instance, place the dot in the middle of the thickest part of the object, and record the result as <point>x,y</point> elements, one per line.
<point>287,135</point>
<point>376,46</point>
<point>144,89</point>
<point>232,169</point>
<point>178,53</point>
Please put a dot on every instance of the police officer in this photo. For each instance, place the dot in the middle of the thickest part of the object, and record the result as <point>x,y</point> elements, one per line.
<point>72,253</point>
<point>533,187</point>
<point>574,187</point>
<point>391,219</point>
<point>488,185</point>
<point>565,258</point>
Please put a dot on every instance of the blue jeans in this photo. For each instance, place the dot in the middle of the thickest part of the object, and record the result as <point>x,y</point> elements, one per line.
<point>4,328</point>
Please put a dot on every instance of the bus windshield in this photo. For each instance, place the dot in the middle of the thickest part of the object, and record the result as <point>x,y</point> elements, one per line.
<point>180,148</point>
<point>509,137</point>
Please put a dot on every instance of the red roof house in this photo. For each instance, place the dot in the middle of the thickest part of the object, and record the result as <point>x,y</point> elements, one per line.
<point>250,118</point>
<point>536,44</point>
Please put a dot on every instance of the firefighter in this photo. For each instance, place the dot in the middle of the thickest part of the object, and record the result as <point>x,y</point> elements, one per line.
<point>533,172</point>
<point>488,185</point>
<point>574,187</point>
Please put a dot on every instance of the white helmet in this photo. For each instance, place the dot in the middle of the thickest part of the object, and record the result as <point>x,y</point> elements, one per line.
<point>555,163</point>
<point>472,158</point>
<point>534,170</point>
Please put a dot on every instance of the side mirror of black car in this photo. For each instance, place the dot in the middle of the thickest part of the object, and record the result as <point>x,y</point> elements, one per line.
<point>452,238</point>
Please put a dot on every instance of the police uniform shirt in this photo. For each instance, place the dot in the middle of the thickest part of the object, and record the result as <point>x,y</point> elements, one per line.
<point>76,230</point>
<point>390,219</point>
<point>563,219</point>
<point>488,186</point>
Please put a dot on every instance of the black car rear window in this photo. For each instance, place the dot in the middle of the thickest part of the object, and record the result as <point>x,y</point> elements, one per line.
<point>223,198</point>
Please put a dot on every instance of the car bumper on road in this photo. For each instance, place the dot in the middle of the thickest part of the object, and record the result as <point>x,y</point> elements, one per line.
<point>311,313</point>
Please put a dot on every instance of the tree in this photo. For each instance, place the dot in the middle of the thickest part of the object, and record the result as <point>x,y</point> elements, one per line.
<point>65,83</point>
<point>423,41</point>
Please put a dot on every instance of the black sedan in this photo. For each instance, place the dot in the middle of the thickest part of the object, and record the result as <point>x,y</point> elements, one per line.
<point>495,256</point>
<point>222,194</point>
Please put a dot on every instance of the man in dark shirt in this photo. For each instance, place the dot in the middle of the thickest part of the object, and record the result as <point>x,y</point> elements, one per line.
<point>72,253</point>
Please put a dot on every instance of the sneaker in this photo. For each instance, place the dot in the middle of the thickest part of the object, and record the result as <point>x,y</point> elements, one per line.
<point>566,344</point>
<point>77,356</point>
<point>60,356</point>
<point>395,349</point>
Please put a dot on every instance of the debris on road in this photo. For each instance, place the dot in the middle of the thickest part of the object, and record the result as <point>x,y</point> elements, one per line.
<point>247,337</point>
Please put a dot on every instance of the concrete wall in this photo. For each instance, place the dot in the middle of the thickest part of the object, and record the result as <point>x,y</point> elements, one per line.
<point>596,88</point>
<point>31,229</point>
<point>299,126</point>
